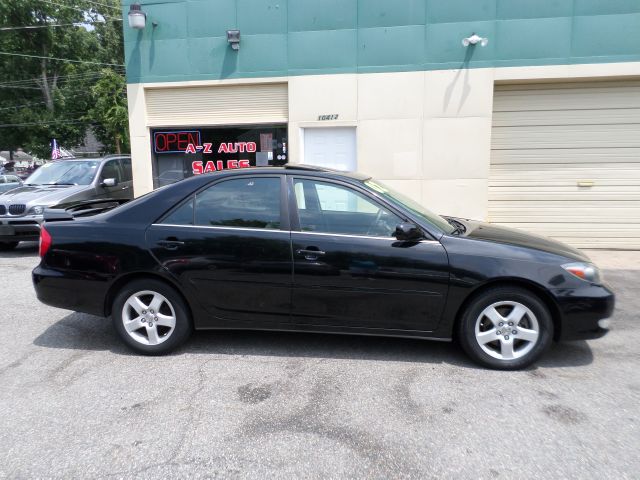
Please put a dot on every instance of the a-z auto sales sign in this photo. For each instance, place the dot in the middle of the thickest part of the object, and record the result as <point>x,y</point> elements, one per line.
<point>190,142</point>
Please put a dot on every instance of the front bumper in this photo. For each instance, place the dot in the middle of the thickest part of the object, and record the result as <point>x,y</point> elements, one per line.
<point>17,229</point>
<point>582,309</point>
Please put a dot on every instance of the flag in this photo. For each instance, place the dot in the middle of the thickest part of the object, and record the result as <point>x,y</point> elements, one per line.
<point>55,150</point>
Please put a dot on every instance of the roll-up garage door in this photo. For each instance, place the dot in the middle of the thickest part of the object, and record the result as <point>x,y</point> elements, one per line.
<point>217,105</point>
<point>565,162</point>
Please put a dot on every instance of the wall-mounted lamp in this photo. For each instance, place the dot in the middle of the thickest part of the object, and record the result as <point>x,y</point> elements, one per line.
<point>137,18</point>
<point>474,40</point>
<point>233,37</point>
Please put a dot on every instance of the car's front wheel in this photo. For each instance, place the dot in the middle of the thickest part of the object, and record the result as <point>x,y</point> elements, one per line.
<point>151,317</point>
<point>505,328</point>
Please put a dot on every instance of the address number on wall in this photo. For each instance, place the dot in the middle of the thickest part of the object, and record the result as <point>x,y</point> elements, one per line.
<point>328,117</point>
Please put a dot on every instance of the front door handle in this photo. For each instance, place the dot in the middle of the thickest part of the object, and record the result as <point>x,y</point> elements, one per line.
<point>169,244</point>
<point>310,253</point>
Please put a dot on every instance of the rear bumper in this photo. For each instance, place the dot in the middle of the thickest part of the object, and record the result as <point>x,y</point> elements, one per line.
<point>19,229</point>
<point>71,291</point>
<point>581,310</point>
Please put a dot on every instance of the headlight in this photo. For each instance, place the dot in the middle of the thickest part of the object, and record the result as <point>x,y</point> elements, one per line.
<point>584,271</point>
<point>37,210</point>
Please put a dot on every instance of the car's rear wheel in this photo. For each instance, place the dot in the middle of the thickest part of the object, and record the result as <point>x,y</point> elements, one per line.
<point>505,328</point>
<point>6,246</point>
<point>151,317</point>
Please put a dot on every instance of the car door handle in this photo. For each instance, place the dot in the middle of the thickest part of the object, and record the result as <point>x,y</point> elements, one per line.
<point>169,244</point>
<point>310,253</point>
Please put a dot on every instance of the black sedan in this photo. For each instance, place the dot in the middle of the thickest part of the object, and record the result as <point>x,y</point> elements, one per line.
<point>307,249</point>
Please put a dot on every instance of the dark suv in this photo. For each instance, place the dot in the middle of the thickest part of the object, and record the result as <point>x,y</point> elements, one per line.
<point>57,183</point>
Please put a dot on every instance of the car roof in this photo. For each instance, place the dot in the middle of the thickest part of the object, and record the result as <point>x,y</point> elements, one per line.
<point>296,168</point>
<point>106,157</point>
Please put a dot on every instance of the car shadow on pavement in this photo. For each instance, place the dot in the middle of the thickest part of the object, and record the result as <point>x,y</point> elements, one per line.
<point>86,332</point>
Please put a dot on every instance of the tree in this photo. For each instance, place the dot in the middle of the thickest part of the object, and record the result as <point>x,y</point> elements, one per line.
<point>110,114</point>
<point>45,98</point>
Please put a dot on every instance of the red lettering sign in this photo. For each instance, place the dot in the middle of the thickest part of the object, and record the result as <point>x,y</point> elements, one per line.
<point>198,167</point>
<point>175,142</point>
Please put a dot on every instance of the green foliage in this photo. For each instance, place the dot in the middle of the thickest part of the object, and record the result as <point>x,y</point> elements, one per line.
<point>109,111</point>
<point>45,98</point>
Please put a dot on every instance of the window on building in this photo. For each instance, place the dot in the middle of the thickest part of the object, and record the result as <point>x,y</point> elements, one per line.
<point>182,152</point>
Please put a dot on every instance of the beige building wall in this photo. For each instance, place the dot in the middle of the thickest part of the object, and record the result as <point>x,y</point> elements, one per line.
<point>427,134</point>
<point>424,133</point>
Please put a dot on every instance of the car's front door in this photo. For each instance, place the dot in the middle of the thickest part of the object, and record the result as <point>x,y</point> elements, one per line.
<point>111,170</point>
<point>229,247</point>
<point>350,272</point>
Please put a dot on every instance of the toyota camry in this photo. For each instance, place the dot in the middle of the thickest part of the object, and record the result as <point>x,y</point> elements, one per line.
<point>301,248</point>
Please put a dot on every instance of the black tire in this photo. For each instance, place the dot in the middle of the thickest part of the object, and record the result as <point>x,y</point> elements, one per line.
<point>183,323</point>
<point>467,328</point>
<point>7,246</point>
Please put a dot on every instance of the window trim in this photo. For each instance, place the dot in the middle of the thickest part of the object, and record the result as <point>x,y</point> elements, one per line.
<point>284,209</point>
<point>295,215</point>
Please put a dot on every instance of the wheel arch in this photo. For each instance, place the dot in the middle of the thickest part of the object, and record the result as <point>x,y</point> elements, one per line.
<point>120,283</point>
<point>534,288</point>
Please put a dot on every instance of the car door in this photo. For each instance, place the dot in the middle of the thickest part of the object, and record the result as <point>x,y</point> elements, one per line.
<point>350,272</point>
<point>229,246</point>
<point>126,184</point>
<point>111,169</point>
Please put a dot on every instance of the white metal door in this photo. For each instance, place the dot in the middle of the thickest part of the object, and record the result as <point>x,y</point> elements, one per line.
<point>330,147</point>
<point>565,161</point>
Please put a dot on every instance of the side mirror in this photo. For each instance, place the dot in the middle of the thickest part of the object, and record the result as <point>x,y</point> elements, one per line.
<point>109,182</point>
<point>408,231</point>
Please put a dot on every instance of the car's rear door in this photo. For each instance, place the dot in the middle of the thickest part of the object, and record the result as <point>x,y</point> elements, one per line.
<point>126,184</point>
<point>350,272</point>
<point>229,245</point>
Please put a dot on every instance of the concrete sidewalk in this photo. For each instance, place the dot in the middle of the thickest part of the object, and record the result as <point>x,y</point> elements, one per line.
<point>615,259</point>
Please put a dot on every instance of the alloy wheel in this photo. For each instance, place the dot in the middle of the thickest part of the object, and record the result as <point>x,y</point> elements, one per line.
<point>507,330</point>
<point>148,317</point>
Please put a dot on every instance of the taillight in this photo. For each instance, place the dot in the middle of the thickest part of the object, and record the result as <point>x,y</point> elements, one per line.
<point>45,241</point>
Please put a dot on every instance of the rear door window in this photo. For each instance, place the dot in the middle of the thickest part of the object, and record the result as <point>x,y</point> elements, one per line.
<point>127,174</point>
<point>247,202</point>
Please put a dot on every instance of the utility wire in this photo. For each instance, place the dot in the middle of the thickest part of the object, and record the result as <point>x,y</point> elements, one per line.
<point>103,4</point>
<point>61,59</point>
<point>65,97</point>
<point>75,8</point>
<point>75,76</point>
<point>23,88</point>
<point>49,25</point>
<point>31,124</point>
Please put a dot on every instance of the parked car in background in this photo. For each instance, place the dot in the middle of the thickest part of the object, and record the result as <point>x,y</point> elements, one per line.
<point>7,168</point>
<point>307,249</point>
<point>58,183</point>
<point>24,172</point>
<point>9,182</point>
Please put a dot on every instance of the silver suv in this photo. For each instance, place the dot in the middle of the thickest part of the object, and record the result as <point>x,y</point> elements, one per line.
<point>57,183</point>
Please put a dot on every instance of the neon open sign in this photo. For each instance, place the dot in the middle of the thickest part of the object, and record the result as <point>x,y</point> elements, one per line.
<point>175,141</point>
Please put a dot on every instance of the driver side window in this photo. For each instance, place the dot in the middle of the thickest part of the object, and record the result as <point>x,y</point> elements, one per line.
<point>111,170</point>
<point>330,208</point>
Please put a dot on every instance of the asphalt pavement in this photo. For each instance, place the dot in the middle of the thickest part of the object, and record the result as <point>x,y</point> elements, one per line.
<point>74,403</point>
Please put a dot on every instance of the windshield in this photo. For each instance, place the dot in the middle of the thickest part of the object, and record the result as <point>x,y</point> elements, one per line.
<point>65,173</point>
<point>411,205</point>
